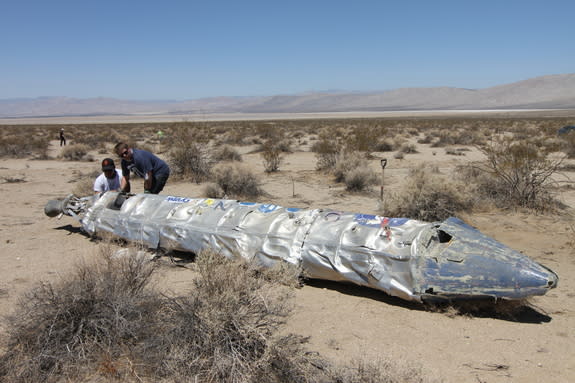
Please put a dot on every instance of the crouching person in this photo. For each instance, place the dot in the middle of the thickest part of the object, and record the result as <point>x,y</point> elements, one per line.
<point>152,169</point>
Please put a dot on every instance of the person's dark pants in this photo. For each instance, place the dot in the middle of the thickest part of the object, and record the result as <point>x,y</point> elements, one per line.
<point>158,183</point>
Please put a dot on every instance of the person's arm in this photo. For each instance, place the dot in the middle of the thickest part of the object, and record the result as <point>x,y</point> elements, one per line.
<point>125,184</point>
<point>97,187</point>
<point>125,180</point>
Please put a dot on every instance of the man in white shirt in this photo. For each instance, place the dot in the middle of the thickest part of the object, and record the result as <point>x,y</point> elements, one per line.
<point>109,179</point>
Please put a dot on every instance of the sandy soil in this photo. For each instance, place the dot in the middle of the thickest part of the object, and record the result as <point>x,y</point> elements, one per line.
<point>342,322</point>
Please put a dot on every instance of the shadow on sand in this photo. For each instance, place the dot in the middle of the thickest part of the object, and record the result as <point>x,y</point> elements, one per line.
<point>520,311</point>
<point>72,230</point>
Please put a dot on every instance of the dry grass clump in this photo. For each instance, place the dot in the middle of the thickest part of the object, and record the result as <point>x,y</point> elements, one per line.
<point>76,152</point>
<point>428,196</point>
<point>235,181</point>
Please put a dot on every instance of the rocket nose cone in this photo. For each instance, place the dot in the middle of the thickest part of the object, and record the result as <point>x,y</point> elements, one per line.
<point>537,277</point>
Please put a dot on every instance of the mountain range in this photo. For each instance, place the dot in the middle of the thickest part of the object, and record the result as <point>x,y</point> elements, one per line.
<point>545,92</point>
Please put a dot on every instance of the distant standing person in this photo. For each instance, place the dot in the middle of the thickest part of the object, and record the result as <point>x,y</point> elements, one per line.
<point>62,137</point>
<point>110,178</point>
<point>152,169</point>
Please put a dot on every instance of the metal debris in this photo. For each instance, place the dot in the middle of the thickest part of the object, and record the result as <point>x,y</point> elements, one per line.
<point>410,259</point>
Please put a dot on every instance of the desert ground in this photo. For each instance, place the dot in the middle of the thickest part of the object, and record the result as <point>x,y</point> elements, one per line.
<point>342,322</point>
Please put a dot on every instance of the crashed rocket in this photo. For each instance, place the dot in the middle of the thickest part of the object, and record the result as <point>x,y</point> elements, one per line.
<point>410,259</point>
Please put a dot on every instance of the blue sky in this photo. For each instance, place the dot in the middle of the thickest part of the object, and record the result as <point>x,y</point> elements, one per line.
<point>157,50</point>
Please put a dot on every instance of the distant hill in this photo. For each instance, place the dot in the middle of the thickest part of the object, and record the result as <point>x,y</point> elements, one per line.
<point>546,92</point>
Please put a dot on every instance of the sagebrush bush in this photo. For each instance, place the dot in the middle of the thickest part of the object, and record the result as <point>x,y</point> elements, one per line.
<point>408,148</point>
<point>84,185</point>
<point>15,146</point>
<point>384,145</point>
<point>568,144</point>
<point>518,174</point>
<point>352,168</point>
<point>76,152</point>
<point>364,139</point>
<point>326,152</point>
<point>106,321</point>
<point>359,179</point>
<point>237,181</point>
<point>212,190</point>
<point>69,329</point>
<point>191,160</point>
<point>226,153</point>
<point>427,196</point>
<point>271,158</point>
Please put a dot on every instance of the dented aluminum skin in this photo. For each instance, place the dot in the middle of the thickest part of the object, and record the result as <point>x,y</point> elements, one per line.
<point>407,258</point>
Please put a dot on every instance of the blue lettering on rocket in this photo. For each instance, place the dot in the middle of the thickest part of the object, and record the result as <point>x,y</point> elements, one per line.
<point>177,199</point>
<point>268,207</point>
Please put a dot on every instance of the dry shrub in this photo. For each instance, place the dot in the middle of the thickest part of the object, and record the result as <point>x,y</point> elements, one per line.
<point>384,145</point>
<point>353,169</point>
<point>190,160</point>
<point>189,156</point>
<point>76,152</point>
<point>271,157</point>
<point>458,136</point>
<point>25,145</point>
<point>326,151</point>
<point>84,185</point>
<point>107,322</point>
<point>87,321</point>
<point>212,190</point>
<point>568,144</point>
<point>428,197</point>
<point>237,181</point>
<point>361,371</point>
<point>517,174</point>
<point>408,148</point>
<point>359,179</point>
<point>363,138</point>
<point>226,153</point>
<point>224,330</point>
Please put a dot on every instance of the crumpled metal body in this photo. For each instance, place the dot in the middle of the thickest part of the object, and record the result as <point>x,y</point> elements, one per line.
<point>407,258</point>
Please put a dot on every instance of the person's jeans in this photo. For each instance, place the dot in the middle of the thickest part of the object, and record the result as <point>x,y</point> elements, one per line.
<point>158,183</point>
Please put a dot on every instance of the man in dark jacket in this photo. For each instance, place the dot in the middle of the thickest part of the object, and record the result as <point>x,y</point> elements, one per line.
<point>153,170</point>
